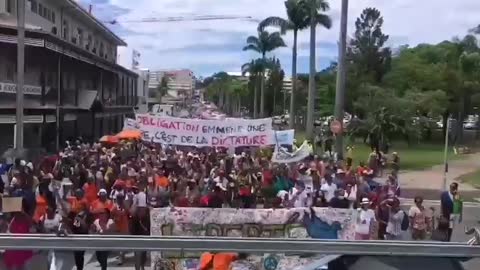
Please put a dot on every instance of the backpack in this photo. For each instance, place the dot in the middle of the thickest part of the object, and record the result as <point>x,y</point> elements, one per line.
<point>405,222</point>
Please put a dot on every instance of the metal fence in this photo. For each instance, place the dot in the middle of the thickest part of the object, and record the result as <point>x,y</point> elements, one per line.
<point>250,245</point>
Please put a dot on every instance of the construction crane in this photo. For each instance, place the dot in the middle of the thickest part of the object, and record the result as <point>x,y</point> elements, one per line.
<point>185,18</point>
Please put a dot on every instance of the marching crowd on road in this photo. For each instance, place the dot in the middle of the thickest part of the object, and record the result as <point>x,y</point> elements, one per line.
<point>109,188</point>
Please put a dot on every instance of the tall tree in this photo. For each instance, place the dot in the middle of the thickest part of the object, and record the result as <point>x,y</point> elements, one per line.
<point>274,85</point>
<point>297,20</point>
<point>317,16</point>
<point>367,55</point>
<point>162,88</point>
<point>263,43</point>
<point>367,49</point>
<point>218,88</point>
<point>254,69</point>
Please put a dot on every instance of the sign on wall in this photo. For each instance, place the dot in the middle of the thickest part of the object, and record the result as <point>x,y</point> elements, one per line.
<point>325,223</point>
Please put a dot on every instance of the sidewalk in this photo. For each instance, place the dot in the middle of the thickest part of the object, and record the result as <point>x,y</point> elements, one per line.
<point>429,183</point>
<point>433,178</point>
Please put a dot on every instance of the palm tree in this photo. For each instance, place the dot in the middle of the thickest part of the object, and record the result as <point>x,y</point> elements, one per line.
<point>239,91</point>
<point>316,17</point>
<point>162,88</point>
<point>297,21</point>
<point>255,69</point>
<point>263,43</point>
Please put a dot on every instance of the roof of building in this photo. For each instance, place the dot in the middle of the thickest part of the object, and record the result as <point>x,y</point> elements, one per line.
<point>89,16</point>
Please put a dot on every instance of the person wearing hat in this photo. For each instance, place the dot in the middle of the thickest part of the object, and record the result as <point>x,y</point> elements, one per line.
<point>340,178</point>
<point>365,220</point>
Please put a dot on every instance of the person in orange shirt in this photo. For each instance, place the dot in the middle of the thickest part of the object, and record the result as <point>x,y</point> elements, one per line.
<point>41,207</point>
<point>78,203</point>
<point>161,180</point>
<point>121,217</point>
<point>218,261</point>
<point>91,190</point>
<point>101,203</point>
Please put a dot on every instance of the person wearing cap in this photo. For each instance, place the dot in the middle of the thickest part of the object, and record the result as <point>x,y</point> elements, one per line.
<point>328,188</point>
<point>340,178</point>
<point>102,202</point>
<point>365,220</point>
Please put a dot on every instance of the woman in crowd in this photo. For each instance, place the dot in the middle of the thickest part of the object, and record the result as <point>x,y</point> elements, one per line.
<point>418,219</point>
<point>21,223</point>
<point>365,221</point>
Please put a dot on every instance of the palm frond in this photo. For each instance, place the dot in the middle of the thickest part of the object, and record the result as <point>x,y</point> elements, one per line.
<point>324,20</point>
<point>279,22</point>
<point>253,40</point>
<point>251,47</point>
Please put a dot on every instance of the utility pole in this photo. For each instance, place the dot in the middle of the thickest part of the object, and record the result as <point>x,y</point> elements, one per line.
<point>341,74</point>
<point>20,73</point>
<point>311,77</point>
<point>445,155</point>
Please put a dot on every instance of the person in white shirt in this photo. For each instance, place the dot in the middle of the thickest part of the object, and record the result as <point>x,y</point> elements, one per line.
<point>328,188</point>
<point>365,220</point>
<point>298,196</point>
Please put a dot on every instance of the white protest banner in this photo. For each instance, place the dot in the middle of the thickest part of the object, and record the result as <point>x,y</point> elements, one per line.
<point>284,137</point>
<point>198,132</point>
<point>325,223</point>
<point>280,155</point>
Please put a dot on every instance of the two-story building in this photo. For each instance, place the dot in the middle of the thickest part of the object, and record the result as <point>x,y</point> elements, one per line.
<point>70,64</point>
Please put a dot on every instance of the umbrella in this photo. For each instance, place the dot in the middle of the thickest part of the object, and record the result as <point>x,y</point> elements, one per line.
<point>129,135</point>
<point>109,139</point>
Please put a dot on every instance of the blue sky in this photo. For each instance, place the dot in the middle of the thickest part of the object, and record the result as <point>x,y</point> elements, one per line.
<point>210,46</point>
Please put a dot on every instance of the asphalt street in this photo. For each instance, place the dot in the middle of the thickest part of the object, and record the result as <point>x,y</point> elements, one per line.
<point>65,259</point>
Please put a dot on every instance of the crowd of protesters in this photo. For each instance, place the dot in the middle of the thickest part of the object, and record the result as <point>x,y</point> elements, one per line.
<point>109,189</point>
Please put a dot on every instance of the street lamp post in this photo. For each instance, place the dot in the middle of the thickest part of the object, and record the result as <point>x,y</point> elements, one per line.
<point>20,73</point>
<point>445,155</point>
<point>341,74</point>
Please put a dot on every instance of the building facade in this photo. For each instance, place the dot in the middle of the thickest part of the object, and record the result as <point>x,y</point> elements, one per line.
<point>180,84</point>
<point>70,74</point>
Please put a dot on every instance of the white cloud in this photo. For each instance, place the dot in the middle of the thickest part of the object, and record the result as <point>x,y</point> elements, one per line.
<point>173,44</point>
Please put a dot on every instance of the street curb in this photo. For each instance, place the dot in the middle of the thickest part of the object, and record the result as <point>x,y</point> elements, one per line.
<point>437,202</point>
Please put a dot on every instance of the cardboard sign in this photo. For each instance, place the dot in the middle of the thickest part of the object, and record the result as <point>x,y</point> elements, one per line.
<point>11,204</point>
